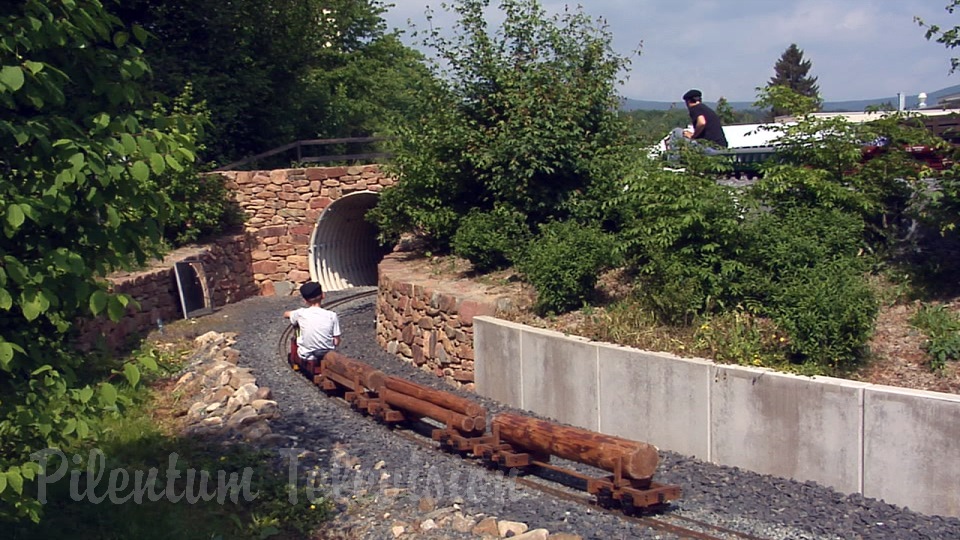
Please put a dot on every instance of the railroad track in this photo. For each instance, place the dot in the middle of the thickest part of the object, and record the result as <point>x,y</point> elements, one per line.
<point>415,411</point>
<point>680,526</point>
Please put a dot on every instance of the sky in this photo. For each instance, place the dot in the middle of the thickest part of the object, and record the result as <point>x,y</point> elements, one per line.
<point>859,49</point>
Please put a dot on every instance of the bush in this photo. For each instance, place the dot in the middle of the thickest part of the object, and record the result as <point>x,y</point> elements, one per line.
<point>563,263</point>
<point>682,233</point>
<point>490,240</point>
<point>803,269</point>
<point>203,208</point>
<point>793,238</point>
<point>827,310</point>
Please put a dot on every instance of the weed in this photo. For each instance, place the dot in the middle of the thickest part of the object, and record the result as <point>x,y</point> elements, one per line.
<point>942,328</point>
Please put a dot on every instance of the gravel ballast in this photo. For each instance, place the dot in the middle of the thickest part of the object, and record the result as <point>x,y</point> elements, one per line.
<point>388,487</point>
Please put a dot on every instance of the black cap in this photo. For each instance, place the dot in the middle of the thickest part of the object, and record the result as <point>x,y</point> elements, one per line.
<point>693,95</point>
<point>310,290</point>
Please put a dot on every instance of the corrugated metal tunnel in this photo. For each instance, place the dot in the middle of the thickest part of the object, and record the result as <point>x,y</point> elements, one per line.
<point>344,251</point>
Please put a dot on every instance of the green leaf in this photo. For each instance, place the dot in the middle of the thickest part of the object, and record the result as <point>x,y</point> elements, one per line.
<point>34,67</point>
<point>174,164</point>
<point>3,482</point>
<point>42,369</point>
<point>6,301</point>
<point>120,39</point>
<point>139,33</point>
<point>11,77</point>
<point>32,304</point>
<point>15,216</point>
<point>98,301</point>
<point>148,362</point>
<point>140,171</point>
<point>85,394</point>
<point>116,308</point>
<point>129,144</point>
<point>157,163</point>
<point>108,394</point>
<point>132,374</point>
<point>15,480</point>
<point>6,354</point>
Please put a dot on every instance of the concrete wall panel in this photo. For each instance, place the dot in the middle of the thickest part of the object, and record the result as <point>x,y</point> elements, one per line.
<point>912,449</point>
<point>497,365</point>
<point>655,398</point>
<point>788,426</point>
<point>560,377</point>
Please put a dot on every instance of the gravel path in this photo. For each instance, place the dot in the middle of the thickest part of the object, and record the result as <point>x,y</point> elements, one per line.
<point>386,486</point>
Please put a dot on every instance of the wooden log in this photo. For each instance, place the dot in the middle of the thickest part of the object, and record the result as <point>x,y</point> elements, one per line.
<point>438,397</point>
<point>370,377</point>
<point>638,460</point>
<point>421,408</point>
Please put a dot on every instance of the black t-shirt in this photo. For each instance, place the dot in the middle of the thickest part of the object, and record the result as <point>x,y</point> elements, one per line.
<point>714,131</point>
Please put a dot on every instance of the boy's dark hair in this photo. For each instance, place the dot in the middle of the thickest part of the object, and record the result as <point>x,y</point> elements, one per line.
<point>311,290</point>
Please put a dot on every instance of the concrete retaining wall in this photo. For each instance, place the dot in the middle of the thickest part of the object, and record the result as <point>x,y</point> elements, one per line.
<point>888,443</point>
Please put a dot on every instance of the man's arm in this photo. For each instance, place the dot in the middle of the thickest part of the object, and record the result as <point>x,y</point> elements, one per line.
<point>336,341</point>
<point>700,126</point>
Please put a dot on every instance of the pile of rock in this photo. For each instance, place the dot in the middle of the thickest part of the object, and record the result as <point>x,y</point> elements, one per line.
<point>226,401</point>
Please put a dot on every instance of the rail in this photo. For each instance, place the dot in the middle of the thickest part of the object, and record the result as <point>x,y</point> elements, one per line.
<point>298,146</point>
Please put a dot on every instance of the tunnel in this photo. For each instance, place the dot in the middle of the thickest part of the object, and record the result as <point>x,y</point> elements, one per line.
<point>344,251</point>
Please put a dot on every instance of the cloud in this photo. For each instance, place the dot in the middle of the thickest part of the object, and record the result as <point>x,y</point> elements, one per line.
<point>863,49</point>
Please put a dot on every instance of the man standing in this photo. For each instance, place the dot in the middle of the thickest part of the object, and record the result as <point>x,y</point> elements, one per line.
<point>706,123</point>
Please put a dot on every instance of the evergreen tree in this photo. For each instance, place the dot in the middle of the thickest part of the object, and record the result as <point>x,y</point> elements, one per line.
<point>791,70</point>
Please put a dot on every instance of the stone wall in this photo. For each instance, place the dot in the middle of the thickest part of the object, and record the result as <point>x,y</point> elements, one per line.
<point>427,320</point>
<point>228,268</point>
<point>282,208</point>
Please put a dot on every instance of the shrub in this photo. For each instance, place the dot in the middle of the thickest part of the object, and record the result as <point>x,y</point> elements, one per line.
<point>803,269</point>
<point>780,243</point>
<point>490,240</point>
<point>563,263</point>
<point>827,310</point>
<point>681,232</point>
<point>203,207</point>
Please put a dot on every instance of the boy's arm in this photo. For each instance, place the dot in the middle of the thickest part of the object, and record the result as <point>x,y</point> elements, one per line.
<point>336,341</point>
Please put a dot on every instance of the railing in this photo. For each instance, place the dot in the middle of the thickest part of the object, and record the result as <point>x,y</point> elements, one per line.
<point>300,158</point>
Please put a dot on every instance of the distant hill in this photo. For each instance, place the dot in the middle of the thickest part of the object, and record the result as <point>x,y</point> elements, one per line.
<point>829,106</point>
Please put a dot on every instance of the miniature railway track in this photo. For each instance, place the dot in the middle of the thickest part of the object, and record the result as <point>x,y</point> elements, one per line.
<point>682,527</point>
<point>510,441</point>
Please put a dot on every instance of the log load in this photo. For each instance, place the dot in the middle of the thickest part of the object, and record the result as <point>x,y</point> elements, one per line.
<point>349,368</point>
<point>638,460</point>
<point>421,408</point>
<point>443,399</point>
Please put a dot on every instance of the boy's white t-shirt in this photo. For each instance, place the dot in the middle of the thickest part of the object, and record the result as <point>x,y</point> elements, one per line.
<point>318,327</point>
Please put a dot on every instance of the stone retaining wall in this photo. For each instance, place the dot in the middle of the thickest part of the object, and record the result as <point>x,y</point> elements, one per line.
<point>429,321</point>
<point>228,268</point>
<point>282,208</point>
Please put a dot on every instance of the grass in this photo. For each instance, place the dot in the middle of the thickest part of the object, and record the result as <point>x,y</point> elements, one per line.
<point>253,502</point>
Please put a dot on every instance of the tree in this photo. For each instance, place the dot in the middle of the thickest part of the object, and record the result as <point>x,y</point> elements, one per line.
<point>725,111</point>
<point>525,121</point>
<point>948,38</point>
<point>82,148</point>
<point>271,72</point>
<point>791,70</point>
